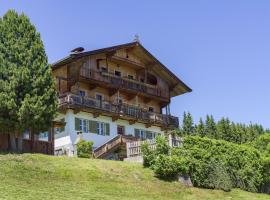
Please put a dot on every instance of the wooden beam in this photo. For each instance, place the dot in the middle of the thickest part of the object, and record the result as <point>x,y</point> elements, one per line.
<point>92,87</point>
<point>112,92</point>
<point>146,100</point>
<point>76,111</point>
<point>96,114</point>
<point>148,125</point>
<point>131,96</point>
<point>132,122</point>
<point>114,118</point>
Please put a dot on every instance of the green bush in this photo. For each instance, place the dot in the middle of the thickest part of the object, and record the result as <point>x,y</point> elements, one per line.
<point>210,163</point>
<point>84,149</point>
<point>166,167</point>
<point>148,155</point>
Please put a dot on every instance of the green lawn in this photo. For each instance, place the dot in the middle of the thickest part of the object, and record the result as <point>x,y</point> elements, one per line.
<point>45,177</point>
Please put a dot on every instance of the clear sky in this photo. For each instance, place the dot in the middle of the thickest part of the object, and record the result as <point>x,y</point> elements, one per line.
<point>221,49</point>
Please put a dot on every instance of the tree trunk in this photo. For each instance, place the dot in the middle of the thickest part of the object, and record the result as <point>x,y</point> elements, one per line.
<point>13,145</point>
<point>20,143</point>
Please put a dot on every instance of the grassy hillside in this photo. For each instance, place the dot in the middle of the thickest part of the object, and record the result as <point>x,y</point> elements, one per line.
<point>46,177</point>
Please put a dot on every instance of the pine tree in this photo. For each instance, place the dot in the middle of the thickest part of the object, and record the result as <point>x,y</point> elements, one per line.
<point>200,128</point>
<point>224,130</point>
<point>210,127</point>
<point>27,93</point>
<point>188,124</point>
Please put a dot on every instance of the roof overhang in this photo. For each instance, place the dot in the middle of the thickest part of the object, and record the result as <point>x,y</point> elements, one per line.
<point>177,86</point>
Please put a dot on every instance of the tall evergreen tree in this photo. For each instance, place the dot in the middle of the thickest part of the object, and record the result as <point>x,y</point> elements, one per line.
<point>200,128</point>
<point>210,127</point>
<point>188,124</point>
<point>27,93</point>
<point>224,130</point>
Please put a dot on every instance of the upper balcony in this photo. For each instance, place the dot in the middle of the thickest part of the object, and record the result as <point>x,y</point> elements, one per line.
<point>117,111</point>
<point>110,80</point>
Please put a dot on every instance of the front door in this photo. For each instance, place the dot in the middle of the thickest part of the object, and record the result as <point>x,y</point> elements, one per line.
<point>120,130</point>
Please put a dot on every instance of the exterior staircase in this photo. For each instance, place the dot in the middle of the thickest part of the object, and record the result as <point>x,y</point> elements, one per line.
<point>110,146</point>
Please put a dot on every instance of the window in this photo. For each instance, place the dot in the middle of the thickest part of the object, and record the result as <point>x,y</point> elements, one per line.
<point>130,77</point>
<point>103,128</point>
<point>44,136</point>
<point>151,109</point>
<point>82,93</point>
<point>144,134</point>
<point>120,130</point>
<point>83,125</point>
<point>89,126</point>
<point>99,97</point>
<point>26,135</point>
<point>117,73</point>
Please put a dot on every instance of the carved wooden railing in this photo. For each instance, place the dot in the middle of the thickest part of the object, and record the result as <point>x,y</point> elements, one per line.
<point>112,144</point>
<point>133,112</point>
<point>120,82</point>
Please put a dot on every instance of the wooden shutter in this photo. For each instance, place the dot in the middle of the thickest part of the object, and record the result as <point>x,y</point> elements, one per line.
<point>93,126</point>
<point>107,128</point>
<point>77,124</point>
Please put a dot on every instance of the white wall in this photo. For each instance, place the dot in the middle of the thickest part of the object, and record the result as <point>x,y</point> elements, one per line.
<point>97,139</point>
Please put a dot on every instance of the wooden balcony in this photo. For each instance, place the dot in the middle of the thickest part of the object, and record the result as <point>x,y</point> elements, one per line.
<point>110,80</point>
<point>117,111</point>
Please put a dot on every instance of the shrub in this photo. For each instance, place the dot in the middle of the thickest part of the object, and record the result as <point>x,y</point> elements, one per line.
<point>210,163</point>
<point>84,149</point>
<point>148,155</point>
<point>166,167</point>
<point>162,146</point>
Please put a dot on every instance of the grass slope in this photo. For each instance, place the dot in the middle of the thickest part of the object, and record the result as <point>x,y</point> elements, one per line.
<point>45,177</point>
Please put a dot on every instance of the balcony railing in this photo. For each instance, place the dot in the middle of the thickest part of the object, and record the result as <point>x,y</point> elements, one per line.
<point>125,83</point>
<point>122,110</point>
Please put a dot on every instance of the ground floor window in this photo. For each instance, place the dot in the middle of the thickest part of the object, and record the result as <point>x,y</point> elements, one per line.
<point>145,134</point>
<point>90,126</point>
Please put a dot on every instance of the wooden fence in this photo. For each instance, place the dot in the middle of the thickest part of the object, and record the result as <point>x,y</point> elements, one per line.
<point>134,149</point>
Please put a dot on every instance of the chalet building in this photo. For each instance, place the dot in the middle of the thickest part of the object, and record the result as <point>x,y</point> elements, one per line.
<point>113,95</point>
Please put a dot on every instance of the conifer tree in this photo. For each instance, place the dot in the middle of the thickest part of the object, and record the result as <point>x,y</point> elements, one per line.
<point>27,93</point>
<point>200,128</point>
<point>188,124</point>
<point>224,130</point>
<point>210,127</point>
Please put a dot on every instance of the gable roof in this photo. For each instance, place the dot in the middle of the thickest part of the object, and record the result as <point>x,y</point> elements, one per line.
<point>177,86</point>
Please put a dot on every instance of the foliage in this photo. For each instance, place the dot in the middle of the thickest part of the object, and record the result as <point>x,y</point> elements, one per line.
<point>188,124</point>
<point>84,149</point>
<point>262,143</point>
<point>223,129</point>
<point>148,155</point>
<point>27,93</point>
<point>211,164</point>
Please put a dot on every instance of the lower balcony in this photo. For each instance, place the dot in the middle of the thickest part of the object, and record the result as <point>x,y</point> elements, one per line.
<point>117,111</point>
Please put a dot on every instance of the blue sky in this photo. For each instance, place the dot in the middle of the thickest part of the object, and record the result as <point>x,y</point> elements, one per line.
<point>221,49</point>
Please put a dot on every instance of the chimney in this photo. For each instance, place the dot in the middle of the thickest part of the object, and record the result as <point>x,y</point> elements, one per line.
<point>77,50</point>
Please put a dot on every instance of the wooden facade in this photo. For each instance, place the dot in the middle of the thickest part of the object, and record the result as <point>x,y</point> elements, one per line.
<point>33,144</point>
<point>123,82</point>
